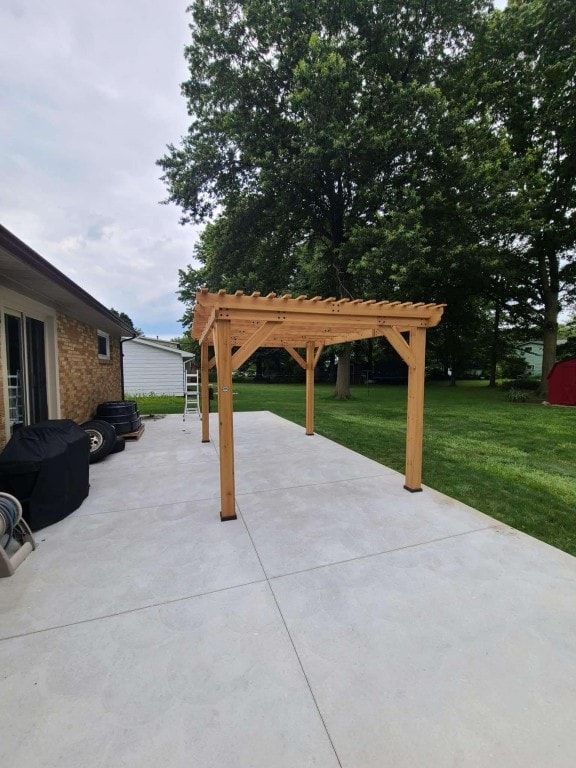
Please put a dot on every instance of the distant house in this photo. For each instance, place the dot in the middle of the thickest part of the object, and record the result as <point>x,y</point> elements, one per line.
<point>531,351</point>
<point>60,352</point>
<point>152,365</point>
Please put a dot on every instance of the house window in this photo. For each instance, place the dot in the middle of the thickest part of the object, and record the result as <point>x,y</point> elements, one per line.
<point>103,345</point>
<point>528,350</point>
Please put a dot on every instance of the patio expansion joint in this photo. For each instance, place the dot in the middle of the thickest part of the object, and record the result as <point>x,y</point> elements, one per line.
<point>103,472</point>
<point>147,506</point>
<point>496,526</point>
<point>311,485</point>
<point>292,643</point>
<point>270,579</point>
<point>138,609</point>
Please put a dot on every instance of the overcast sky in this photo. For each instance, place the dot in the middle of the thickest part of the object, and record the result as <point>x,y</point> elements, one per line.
<point>89,98</point>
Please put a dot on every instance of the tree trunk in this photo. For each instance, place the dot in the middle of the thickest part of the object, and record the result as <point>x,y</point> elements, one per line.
<point>342,389</point>
<point>495,344</point>
<point>453,373</point>
<point>549,338</point>
<point>332,367</point>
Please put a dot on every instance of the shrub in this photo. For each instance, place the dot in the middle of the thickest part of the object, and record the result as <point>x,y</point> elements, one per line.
<point>529,384</point>
<point>518,395</point>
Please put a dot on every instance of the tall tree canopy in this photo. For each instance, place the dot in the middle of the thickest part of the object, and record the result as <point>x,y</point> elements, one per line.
<point>310,122</point>
<point>526,73</point>
<point>422,150</point>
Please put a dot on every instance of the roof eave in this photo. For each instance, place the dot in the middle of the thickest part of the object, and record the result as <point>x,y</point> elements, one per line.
<point>25,271</point>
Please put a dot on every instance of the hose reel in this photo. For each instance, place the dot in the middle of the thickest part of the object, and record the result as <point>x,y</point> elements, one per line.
<point>16,540</point>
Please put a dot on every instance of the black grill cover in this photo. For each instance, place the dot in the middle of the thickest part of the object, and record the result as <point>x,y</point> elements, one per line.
<point>46,466</point>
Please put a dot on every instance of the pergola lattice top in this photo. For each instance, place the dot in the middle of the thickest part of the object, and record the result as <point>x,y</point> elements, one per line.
<point>296,321</point>
<point>244,323</point>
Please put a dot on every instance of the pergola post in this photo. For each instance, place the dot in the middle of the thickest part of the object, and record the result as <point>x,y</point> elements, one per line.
<point>310,388</point>
<point>415,411</point>
<point>225,419</point>
<point>205,394</point>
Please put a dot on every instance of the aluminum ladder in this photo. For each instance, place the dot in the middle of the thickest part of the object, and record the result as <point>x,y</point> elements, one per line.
<point>191,393</point>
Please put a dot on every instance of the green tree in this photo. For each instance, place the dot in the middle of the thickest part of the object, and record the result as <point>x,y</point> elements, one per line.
<point>126,320</point>
<point>187,344</point>
<point>526,71</point>
<point>307,121</point>
<point>567,330</point>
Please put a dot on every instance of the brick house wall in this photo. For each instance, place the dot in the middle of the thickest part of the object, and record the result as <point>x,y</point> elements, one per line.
<point>84,379</point>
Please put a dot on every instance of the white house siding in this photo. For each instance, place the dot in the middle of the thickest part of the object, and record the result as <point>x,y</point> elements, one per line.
<point>150,369</point>
<point>532,352</point>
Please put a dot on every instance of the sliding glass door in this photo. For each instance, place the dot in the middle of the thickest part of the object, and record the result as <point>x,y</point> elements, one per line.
<point>26,369</point>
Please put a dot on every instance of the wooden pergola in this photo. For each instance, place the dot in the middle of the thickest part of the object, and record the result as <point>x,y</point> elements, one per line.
<point>236,325</point>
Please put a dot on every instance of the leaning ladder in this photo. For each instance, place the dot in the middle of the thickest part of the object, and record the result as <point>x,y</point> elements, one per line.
<point>191,393</point>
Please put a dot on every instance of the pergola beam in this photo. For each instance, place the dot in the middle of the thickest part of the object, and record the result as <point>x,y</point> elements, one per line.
<point>327,307</point>
<point>317,317</point>
<point>287,334</point>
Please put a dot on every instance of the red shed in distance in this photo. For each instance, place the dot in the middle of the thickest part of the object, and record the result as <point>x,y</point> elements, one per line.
<point>562,383</point>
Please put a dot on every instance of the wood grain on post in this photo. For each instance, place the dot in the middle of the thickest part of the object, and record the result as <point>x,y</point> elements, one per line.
<point>225,419</point>
<point>415,411</point>
<point>310,388</point>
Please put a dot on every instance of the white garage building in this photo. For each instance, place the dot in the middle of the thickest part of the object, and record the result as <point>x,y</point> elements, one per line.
<point>151,365</point>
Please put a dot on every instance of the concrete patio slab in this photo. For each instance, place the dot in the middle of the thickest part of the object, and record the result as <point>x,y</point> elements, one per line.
<point>301,465</point>
<point>299,528</point>
<point>455,653</point>
<point>150,484</point>
<point>209,681</point>
<point>97,565</point>
<point>339,621</point>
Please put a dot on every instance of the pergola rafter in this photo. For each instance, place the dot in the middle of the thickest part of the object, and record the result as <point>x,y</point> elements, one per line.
<point>236,325</point>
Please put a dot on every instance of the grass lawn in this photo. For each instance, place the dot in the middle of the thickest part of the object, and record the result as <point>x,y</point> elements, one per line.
<point>514,461</point>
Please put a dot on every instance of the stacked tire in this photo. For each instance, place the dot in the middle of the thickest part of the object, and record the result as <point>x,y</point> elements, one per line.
<point>112,420</point>
<point>103,439</point>
<point>121,414</point>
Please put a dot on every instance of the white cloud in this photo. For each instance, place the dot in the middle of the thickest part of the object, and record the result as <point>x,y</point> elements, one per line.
<point>91,96</point>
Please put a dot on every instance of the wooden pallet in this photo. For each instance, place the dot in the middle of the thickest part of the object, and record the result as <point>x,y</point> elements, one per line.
<point>134,435</point>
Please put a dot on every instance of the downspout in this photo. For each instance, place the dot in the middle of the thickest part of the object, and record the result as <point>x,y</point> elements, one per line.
<point>128,338</point>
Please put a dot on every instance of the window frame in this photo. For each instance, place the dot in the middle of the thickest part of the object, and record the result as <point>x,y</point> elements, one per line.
<point>106,336</point>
